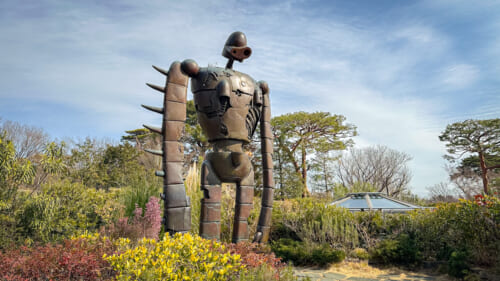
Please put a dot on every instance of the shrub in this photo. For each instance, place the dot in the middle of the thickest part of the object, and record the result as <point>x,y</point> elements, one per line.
<point>403,250</point>
<point>62,209</point>
<point>181,257</point>
<point>260,263</point>
<point>141,225</point>
<point>458,264</point>
<point>360,253</point>
<point>78,258</point>
<point>301,253</point>
<point>138,193</point>
<point>324,254</point>
<point>255,255</point>
<point>318,223</point>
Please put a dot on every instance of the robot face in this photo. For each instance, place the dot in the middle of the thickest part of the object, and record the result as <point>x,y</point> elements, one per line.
<point>236,47</point>
<point>237,53</point>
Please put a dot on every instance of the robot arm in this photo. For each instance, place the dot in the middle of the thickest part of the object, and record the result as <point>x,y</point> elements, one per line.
<point>177,205</point>
<point>263,227</point>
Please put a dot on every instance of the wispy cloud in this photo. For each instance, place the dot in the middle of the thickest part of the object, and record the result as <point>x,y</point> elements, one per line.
<point>459,76</point>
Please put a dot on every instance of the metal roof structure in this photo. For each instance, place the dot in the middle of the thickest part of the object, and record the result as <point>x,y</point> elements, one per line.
<point>374,201</point>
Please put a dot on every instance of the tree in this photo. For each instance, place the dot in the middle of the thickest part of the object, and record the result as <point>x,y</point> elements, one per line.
<point>29,141</point>
<point>119,164</point>
<point>298,135</point>
<point>13,172</point>
<point>52,163</point>
<point>382,167</point>
<point>141,138</point>
<point>479,138</point>
<point>84,163</point>
<point>322,170</point>
<point>197,142</point>
<point>442,192</point>
<point>470,166</point>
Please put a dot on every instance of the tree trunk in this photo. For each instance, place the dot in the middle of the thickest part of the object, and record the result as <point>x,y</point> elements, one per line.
<point>305,191</point>
<point>484,172</point>
<point>280,165</point>
<point>325,176</point>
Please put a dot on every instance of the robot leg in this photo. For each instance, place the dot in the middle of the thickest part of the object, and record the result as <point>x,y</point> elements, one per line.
<point>210,204</point>
<point>244,205</point>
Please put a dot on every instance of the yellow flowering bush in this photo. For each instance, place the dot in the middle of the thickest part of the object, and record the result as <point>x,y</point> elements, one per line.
<point>181,257</point>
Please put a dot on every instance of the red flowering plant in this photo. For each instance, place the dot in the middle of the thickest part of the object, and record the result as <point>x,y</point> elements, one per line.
<point>254,255</point>
<point>485,200</point>
<point>79,258</point>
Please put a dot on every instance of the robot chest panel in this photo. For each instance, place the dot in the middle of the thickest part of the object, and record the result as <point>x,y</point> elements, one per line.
<point>217,87</point>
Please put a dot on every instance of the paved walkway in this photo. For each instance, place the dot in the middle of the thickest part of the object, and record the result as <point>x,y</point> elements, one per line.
<point>331,275</point>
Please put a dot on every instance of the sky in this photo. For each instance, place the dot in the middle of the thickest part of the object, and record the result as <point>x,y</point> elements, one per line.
<point>400,71</point>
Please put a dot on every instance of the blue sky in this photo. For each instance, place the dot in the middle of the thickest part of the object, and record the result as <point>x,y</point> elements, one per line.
<point>399,70</point>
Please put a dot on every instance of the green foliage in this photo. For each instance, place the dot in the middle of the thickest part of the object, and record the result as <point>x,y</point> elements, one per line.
<point>316,222</point>
<point>13,172</point>
<point>62,209</point>
<point>360,253</point>
<point>119,164</point>
<point>472,136</point>
<point>480,138</point>
<point>138,192</point>
<point>52,159</point>
<point>300,134</point>
<point>302,253</point>
<point>139,137</point>
<point>194,136</point>
<point>84,163</point>
<point>458,264</point>
<point>404,250</point>
<point>401,238</point>
<point>340,190</point>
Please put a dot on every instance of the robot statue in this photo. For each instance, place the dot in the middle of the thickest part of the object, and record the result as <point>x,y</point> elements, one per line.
<point>229,106</point>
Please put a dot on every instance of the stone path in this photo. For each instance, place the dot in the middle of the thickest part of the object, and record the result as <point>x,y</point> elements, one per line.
<point>331,275</point>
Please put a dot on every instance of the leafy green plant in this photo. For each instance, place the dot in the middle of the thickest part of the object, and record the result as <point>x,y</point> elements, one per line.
<point>458,264</point>
<point>13,172</point>
<point>138,192</point>
<point>397,251</point>
<point>60,210</point>
<point>360,253</point>
<point>316,222</point>
<point>302,253</point>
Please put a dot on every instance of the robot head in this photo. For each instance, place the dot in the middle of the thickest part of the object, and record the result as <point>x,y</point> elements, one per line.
<point>236,47</point>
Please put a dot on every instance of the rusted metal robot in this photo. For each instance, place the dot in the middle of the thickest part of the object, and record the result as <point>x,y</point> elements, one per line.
<point>229,106</point>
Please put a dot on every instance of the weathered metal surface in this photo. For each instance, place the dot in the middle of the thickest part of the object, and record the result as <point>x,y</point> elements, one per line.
<point>229,106</point>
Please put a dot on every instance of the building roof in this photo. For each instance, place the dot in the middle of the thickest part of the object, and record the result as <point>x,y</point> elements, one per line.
<point>366,201</point>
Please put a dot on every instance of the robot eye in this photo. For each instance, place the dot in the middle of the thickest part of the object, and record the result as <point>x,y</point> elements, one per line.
<point>247,52</point>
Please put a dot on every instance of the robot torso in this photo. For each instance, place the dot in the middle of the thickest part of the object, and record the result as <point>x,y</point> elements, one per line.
<point>228,103</point>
